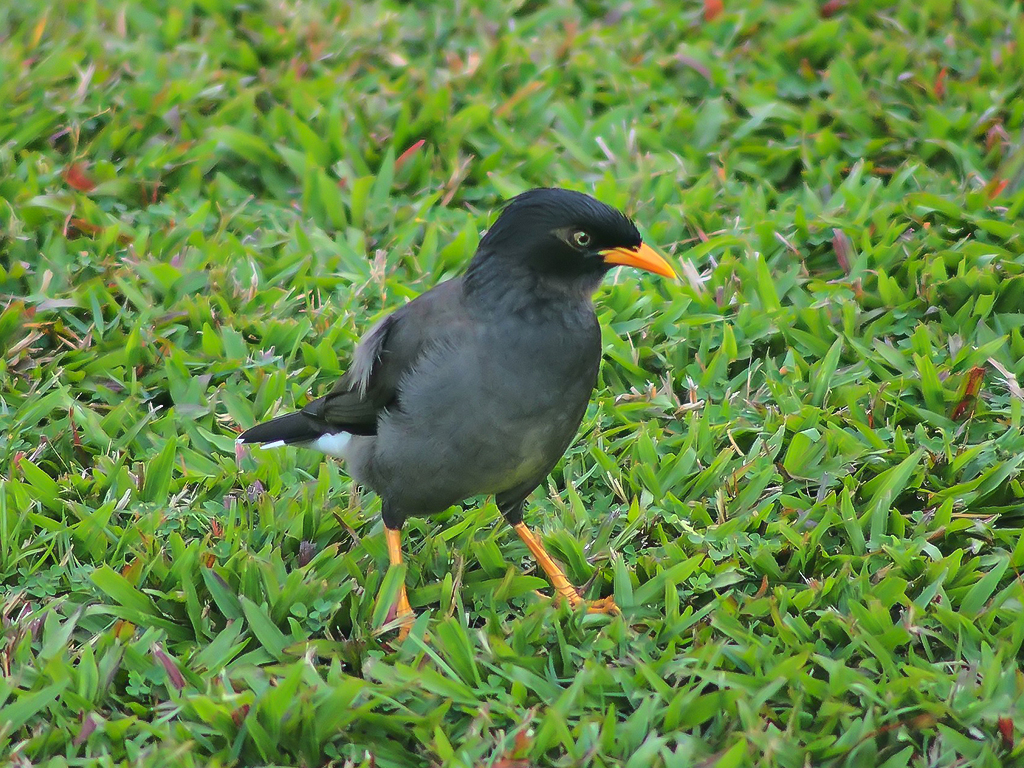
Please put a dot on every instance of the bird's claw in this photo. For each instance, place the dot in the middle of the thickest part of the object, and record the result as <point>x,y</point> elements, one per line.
<point>605,605</point>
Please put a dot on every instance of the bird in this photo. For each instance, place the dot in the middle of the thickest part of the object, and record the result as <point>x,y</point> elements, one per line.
<point>478,386</point>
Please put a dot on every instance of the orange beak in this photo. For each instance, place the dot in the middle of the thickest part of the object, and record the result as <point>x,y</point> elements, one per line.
<point>642,257</point>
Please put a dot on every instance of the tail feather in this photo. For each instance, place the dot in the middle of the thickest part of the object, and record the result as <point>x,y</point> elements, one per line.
<point>284,430</point>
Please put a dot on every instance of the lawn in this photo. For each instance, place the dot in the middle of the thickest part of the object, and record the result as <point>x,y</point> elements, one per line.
<point>800,476</point>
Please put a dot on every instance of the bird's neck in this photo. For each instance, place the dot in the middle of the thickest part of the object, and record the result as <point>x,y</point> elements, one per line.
<point>514,291</point>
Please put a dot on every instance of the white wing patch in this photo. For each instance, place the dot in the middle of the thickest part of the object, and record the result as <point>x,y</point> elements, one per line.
<point>331,444</point>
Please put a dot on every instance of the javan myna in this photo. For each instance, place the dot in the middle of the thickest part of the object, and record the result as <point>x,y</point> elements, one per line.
<point>479,385</point>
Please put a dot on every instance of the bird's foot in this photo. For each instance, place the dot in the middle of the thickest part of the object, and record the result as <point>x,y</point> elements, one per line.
<point>605,605</point>
<point>402,613</point>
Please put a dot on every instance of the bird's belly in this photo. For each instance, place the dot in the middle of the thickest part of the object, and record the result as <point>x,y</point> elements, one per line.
<point>455,437</point>
<point>515,454</point>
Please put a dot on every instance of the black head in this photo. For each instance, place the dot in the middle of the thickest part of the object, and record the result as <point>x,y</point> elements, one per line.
<point>565,236</point>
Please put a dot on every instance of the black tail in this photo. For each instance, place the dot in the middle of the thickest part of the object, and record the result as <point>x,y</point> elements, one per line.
<point>290,428</point>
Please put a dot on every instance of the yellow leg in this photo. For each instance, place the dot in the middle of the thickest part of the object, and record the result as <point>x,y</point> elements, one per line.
<point>563,588</point>
<point>402,609</point>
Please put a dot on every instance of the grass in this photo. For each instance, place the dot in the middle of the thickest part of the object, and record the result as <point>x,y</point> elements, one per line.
<point>800,475</point>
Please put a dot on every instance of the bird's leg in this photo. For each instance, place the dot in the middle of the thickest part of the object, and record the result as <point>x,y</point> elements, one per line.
<point>403,610</point>
<point>563,587</point>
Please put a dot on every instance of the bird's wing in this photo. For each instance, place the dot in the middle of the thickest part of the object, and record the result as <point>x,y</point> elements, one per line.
<point>388,351</point>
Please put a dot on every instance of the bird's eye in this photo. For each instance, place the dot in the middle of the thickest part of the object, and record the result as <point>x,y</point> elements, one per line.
<point>581,239</point>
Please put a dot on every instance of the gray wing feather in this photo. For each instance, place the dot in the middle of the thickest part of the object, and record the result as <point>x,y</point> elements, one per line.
<point>388,352</point>
<point>368,354</point>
